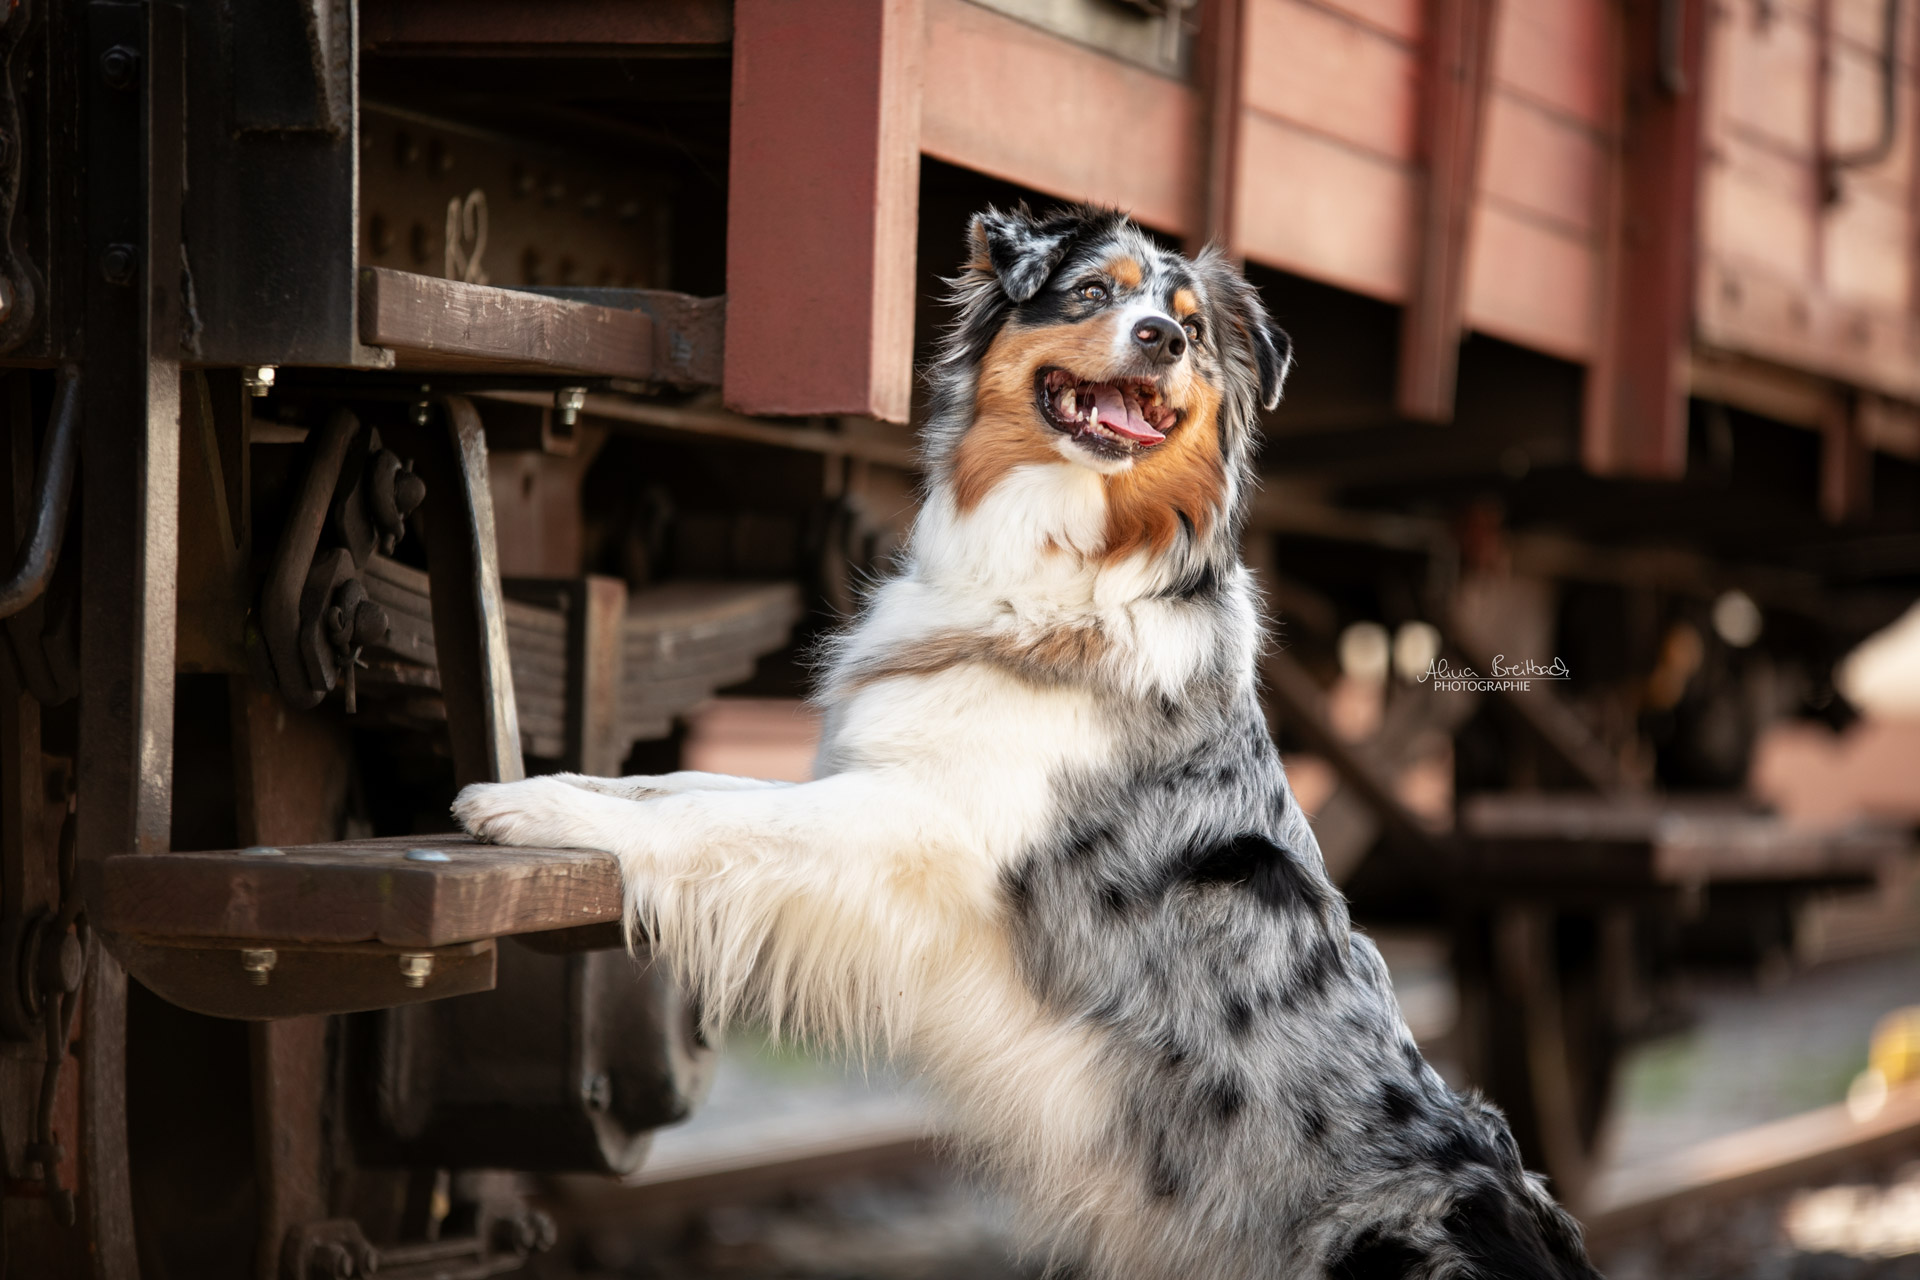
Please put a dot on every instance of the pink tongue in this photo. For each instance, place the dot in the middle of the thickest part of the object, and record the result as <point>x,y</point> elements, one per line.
<point>1117,413</point>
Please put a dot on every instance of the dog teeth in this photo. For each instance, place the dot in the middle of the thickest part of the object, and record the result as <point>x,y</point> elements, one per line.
<point>1069,404</point>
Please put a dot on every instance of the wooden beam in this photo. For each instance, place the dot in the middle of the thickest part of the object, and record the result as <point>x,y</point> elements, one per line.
<point>823,207</point>
<point>1220,58</point>
<point>1635,416</point>
<point>513,27</point>
<point>1020,103</point>
<point>450,326</point>
<point>1846,463</point>
<point>1459,73</point>
<point>1795,1152</point>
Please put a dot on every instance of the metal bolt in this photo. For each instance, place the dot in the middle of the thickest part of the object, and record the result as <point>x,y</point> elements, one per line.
<point>568,401</point>
<point>117,263</point>
<point>597,1092</point>
<point>415,968</point>
<point>120,67</point>
<point>258,379</point>
<point>259,962</point>
<point>427,855</point>
<point>421,412</point>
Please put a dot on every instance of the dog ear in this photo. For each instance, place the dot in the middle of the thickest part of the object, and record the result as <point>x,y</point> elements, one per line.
<point>1273,354</point>
<point>1270,349</point>
<point>1018,249</point>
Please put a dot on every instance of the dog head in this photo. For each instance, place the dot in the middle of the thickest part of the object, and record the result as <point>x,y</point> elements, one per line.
<point>1081,342</point>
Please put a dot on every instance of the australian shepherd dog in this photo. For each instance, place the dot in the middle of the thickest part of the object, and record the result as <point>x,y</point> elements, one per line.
<point>1050,859</point>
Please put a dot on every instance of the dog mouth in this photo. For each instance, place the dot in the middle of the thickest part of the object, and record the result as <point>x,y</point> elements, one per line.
<point>1117,419</point>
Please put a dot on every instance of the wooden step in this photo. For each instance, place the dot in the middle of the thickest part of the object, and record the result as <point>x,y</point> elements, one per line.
<point>389,891</point>
<point>338,928</point>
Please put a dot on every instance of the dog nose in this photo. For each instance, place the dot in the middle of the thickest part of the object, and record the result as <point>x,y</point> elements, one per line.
<point>1161,339</point>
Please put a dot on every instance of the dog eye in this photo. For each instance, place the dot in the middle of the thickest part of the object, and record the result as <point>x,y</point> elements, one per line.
<point>1093,292</point>
<point>1192,326</point>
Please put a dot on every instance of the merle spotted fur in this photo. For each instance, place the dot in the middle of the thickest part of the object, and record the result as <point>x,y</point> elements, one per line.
<point>1280,1114</point>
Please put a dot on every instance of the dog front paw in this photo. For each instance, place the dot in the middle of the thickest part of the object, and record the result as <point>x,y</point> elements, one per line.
<point>536,812</point>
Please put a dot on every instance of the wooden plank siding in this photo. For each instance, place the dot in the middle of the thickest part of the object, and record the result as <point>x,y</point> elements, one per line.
<point>1012,101</point>
<point>1534,264</point>
<point>1785,275</point>
<point>1330,177</point>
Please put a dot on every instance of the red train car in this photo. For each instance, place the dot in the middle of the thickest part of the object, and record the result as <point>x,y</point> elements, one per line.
<point>463,388</point>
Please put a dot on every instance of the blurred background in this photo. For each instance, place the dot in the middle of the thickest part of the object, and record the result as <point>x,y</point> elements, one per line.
<point>536,391</point>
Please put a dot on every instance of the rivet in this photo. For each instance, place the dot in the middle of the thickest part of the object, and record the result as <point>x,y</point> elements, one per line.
<point>259,962</point>
<point>415,968</point>
<point>119,66</point>
<point>117,262</point>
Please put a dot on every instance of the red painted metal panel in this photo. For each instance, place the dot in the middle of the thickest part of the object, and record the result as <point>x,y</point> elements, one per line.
<point>822,207</point>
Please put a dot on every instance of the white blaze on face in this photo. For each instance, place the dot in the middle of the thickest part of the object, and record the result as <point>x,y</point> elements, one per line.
<point>1137,310</point>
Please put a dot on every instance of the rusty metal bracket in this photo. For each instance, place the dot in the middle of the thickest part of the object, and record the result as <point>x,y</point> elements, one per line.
<point>315,616</point>
<point>243,979</point>
<point>337,1249</point>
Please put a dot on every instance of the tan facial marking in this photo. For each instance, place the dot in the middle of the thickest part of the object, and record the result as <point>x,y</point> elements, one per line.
<point>1186,474</point>
<point>1125,272</point>
<point>1184,303</point>
<point>1006,433</point>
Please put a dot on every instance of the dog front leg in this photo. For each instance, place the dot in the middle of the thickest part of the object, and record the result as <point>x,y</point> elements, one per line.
<point>651,786</point>
<point>815,905</point>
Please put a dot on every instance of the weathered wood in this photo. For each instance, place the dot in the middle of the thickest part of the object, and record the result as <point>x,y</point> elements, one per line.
<point>1221,66</point>
<point>469,613</point>
<point>717,423</point>
<point>1635,416</point>
<point>1581,843</point>
<point>208,976</point>
<point>822,207</point>
<point>559,26</point>
<point>1794,1152</point>
<point>689,333</point>
<point>1459,73</point>
<point>435,325</point>
<point>1332,76</point>
<point>359,891</point>
<point>998,77</point>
